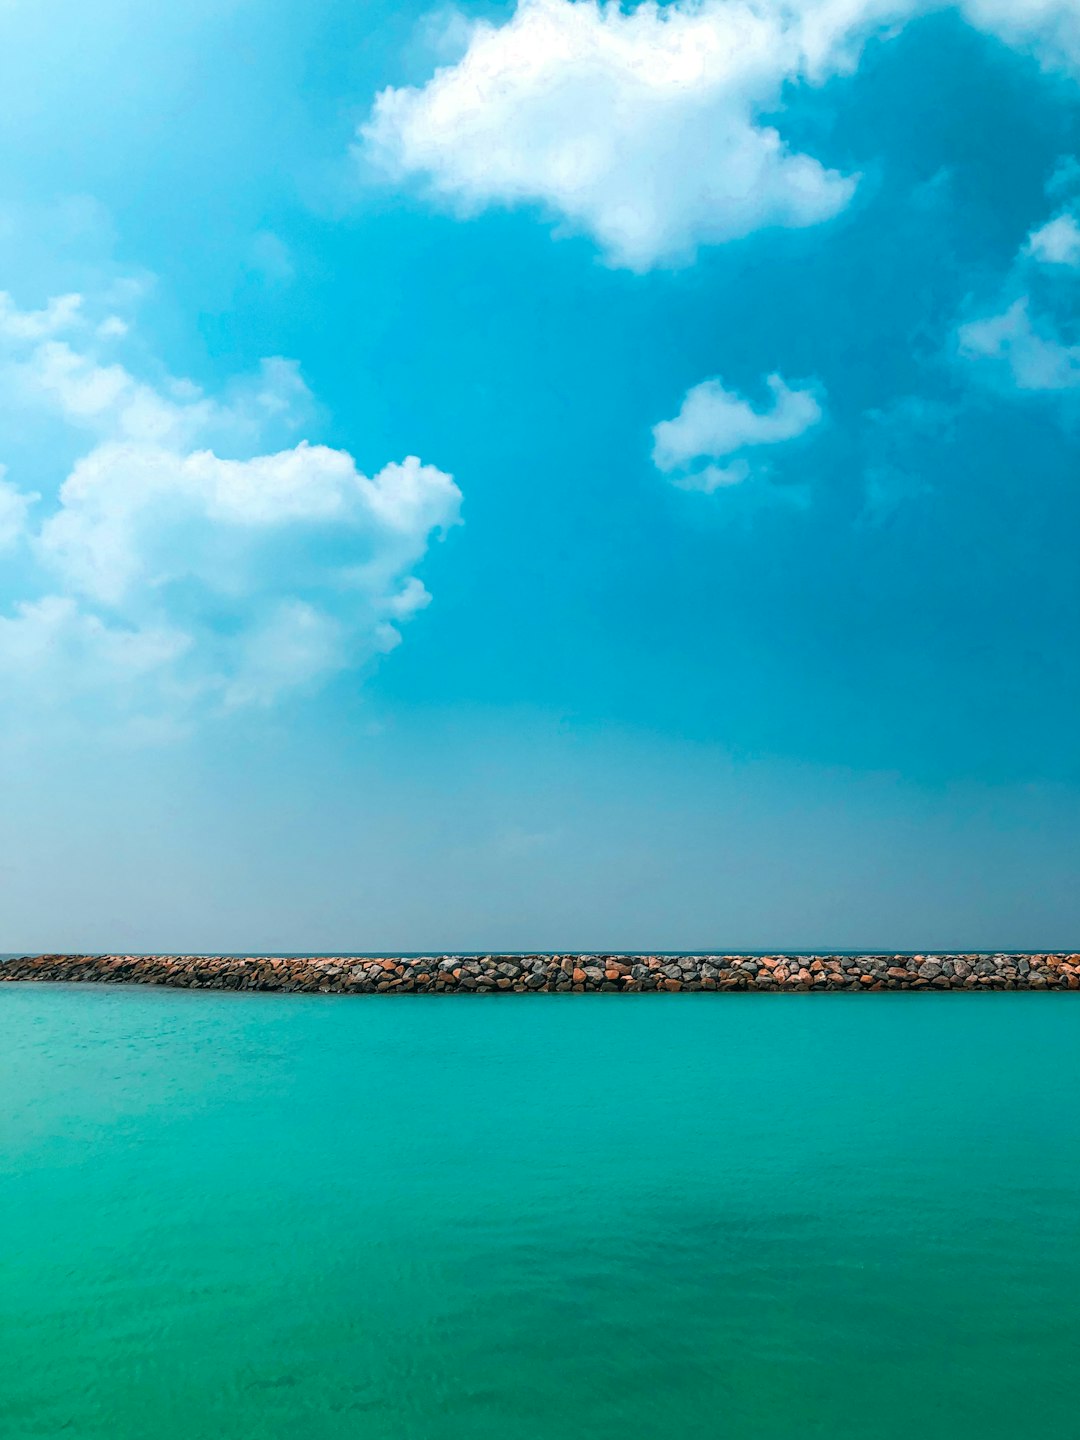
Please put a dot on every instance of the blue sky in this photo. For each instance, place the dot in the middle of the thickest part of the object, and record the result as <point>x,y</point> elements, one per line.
<point>540,475</point>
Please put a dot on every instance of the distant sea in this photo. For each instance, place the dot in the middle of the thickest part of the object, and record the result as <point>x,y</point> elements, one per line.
<point>237,1217</point>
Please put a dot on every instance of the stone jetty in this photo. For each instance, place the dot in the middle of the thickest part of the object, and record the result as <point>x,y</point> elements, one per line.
<point>574,974</point>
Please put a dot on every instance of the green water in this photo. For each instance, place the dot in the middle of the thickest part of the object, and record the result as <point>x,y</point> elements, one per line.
<point>778,1217</point>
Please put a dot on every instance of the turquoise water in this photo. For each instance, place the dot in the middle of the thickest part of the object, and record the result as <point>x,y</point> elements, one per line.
<point>778,1217</point>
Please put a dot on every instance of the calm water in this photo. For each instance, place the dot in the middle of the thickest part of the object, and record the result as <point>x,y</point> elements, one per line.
<point>778,1217</point>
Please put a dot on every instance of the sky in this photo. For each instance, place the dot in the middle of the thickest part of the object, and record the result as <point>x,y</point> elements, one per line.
<point>539,475</point>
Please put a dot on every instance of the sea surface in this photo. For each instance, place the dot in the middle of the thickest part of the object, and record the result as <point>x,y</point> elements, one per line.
<point>520,1217</point>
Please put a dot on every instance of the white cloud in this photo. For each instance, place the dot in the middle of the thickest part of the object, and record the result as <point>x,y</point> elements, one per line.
<point>174,578</point>
<point>645,127</point>
<point>1057,242</point>
<point>641,127</point>
<point>715,424</point>
<point>106,535</point>
<point>1029,353</point>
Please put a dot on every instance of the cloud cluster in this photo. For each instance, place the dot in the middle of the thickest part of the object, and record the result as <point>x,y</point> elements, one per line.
<point>180,566</point>
<point>717,437</point>
<point>648,127</point>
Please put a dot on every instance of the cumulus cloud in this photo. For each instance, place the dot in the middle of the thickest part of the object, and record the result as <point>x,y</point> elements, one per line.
<point>715,439</point>
<point>176,578</point>
<point>647,127</point>
<point>641,127</point>
<point>285,566</point>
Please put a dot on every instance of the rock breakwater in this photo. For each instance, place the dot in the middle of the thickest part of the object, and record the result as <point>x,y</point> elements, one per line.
<point>574,973</point>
